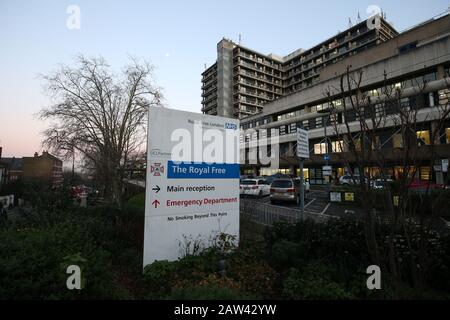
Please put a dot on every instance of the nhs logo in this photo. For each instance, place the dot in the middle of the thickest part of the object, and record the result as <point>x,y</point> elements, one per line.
<point>231,126</point>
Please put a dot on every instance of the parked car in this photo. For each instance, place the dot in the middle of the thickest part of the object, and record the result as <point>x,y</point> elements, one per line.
<point>254,187</point>
<point>285,189</point>
<point>421,185</point>
<point>350,180</point>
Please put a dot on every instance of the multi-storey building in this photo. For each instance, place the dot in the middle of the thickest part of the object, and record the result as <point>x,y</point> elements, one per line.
<point>407,61</point>
<point>242,80</point>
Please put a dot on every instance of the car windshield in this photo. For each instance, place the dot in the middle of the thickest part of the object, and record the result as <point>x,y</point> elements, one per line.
<point>282,184</point>
<point>248,182</point>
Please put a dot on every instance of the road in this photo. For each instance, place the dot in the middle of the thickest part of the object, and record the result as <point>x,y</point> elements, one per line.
<point>315,202</point>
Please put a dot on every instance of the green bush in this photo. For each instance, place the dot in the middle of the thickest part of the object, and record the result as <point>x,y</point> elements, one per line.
<point>159,277</point>
<point>340,242</point>
<point>313,282</point>
<point>32,259</point>
<point>137,201</point>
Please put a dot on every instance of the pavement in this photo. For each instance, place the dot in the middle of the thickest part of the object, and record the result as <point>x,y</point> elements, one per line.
<point>317,202</point>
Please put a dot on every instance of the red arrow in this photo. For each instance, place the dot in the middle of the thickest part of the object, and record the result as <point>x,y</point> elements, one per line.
<point>155,203</point>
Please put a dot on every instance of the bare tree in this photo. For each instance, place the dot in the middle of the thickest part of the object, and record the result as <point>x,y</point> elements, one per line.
<point>99,115</point>
<point>363,116</point>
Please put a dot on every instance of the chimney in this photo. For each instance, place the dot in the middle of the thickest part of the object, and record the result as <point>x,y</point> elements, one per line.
<point>36,154</point>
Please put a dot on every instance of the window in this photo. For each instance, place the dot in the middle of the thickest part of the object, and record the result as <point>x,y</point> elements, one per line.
<point>337,146</point>
<point>293,128</point>
<point>376,143</point>
<point>425,173</point>
<point>316,108</point>
<point>284,149</point>
<point>431,99</point>
<point>357,142</point>
<point>379,109</point>
<point>334,119</point>
<point>350,115</point>
<point>319,122</point>
<point>320,148</point>
<point>397,140</point>
<point>282,184</point>
<point>447,135</point>
<point>273,132</point>
<point>263,133</point>
<point>423,137</point>
<point>407,47</point>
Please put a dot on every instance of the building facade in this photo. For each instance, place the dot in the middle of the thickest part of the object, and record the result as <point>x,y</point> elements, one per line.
<point>407,61</point>
<point>45,167</point>
<point>242,80</point>
<point>11,169</point>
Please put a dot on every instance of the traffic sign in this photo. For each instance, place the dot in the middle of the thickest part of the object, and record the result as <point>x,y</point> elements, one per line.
<point>302,143</point>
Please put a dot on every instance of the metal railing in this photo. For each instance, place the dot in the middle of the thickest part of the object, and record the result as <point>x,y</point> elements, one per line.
<point>267,214</point>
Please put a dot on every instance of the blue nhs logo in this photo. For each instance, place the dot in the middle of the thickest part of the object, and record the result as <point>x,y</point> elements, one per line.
<point>230,126</point>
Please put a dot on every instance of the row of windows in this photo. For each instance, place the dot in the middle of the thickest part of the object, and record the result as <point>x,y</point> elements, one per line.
<point>423,137</point>
<point>383,141</point>
<point>416,81</point>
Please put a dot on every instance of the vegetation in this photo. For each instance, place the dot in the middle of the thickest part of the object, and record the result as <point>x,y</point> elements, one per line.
<point>303,261</point>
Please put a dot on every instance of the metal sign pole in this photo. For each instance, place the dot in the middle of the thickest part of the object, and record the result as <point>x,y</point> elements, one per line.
<point>302,154</point>
<point>302,190</point>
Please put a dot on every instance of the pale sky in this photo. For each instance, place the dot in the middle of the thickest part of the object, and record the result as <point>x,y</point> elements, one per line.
<point>177,37</point>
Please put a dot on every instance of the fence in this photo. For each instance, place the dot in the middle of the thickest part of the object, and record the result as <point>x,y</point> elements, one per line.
<point>267,214</point>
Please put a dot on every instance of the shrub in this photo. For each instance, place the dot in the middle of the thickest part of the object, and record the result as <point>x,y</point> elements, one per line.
<point>256,278</point>
<point>159,277</point>
<point>32,259</point>
<point>313,282</point>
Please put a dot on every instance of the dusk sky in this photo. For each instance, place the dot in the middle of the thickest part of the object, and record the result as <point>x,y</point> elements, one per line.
<point>177,37</point>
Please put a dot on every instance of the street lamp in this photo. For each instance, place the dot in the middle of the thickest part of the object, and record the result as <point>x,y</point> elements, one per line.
<point>326,112</point>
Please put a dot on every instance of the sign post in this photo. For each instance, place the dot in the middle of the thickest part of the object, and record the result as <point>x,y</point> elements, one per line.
<point>192,186</point>
<point>302,153</point>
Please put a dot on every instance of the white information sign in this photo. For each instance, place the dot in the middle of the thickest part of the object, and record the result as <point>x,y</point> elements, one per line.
<point>327,170</point>
<point>302,143</point>
<point>444,165</point>
<point>192,188</point>
<point>335,197</point>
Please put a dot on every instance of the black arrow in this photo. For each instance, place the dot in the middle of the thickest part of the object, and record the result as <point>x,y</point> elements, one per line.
<point>156,189</point>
